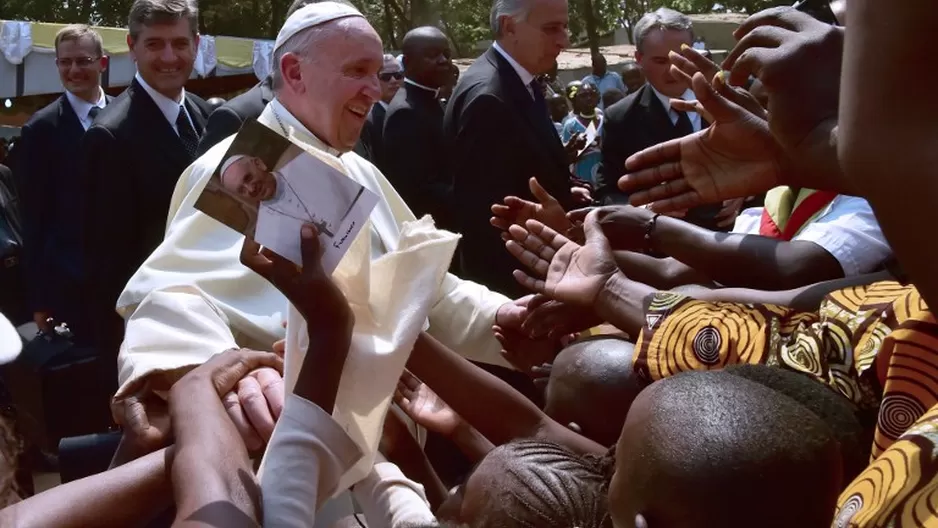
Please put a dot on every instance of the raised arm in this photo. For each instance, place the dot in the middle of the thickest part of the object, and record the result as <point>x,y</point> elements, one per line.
<point>489,404</point>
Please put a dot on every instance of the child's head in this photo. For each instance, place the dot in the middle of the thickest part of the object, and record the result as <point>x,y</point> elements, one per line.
<point>532,484</point>
<point>557,104</point>
<point>591,387</point>
<point>839,413</point>
<point>714,449</point>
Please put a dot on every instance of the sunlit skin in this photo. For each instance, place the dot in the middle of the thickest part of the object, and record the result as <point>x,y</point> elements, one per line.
<point>655,62</point>
<point>333,94</point>
<point>536,41</point>
<point>165,55</point>
<point>80,66</point>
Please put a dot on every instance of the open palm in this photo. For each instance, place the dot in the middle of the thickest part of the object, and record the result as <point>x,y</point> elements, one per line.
<point>569,272</point>
<point>424,406</point>
<point>736,156</point>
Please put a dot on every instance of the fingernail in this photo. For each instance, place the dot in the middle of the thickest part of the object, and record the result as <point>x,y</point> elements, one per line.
<point>307,230</point>
<point>684,47</point>
<point>672,54</point>
<point>721,77</point>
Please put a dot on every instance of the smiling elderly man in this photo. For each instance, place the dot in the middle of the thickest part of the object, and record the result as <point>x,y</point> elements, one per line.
<point>193,299</point>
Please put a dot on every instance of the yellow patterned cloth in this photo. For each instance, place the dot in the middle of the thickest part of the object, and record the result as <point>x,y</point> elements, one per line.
<point>900,488</point>
<point>875,344</point>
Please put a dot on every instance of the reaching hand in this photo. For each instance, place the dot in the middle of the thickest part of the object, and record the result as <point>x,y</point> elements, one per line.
<point>731,208</point>
<point>623,225</point>
<point>687,63</point>
<point>556,320</point>
<point>516,210</point>
<point>519,346</point>
<point>735,157</point>
<point>144,418</point>
<point>310,289</point>
<point>217,378</point>
<point>573,273</point>
<point>424,407</point>
<point>798,61</point>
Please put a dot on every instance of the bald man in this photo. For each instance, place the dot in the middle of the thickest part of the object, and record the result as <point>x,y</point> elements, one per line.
<point>413,153</point>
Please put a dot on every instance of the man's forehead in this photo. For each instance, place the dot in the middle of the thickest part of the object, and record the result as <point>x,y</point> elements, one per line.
<point>77,46</point>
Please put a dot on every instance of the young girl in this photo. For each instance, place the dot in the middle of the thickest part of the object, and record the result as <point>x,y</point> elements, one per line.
<point>584,98</point>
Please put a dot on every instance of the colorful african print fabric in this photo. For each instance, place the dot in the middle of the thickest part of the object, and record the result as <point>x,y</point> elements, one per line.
<point>875,344</point>
<point>900,488</point>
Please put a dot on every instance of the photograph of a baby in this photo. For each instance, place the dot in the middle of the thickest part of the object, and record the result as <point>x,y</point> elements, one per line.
<point>267,188</point>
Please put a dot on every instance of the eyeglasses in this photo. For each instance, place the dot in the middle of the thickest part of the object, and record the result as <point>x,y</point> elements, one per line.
<point>819,9</point>
<point>81,62</point>
<point>386,77</point>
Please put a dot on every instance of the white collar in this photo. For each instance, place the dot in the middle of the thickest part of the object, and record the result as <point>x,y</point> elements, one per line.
<point>276,115</point>
<point>411,82</point>
<point>526,76</point>
<point>167,106</point>
<point>666,101</point>
<point>82,107</point>
<point>383,104</point>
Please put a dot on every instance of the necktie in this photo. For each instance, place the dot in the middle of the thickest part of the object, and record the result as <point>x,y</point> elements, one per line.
<point>683,127</point>
<point>190,140</point>
<point>93,113</point>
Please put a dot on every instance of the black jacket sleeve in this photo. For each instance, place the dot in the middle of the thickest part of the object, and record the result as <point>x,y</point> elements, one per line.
<point>223,122</point>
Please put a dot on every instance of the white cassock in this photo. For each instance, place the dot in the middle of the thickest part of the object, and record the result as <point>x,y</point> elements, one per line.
<point>192,298</point>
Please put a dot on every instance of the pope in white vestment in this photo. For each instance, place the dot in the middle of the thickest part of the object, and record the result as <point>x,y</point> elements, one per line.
<point>192,298</point>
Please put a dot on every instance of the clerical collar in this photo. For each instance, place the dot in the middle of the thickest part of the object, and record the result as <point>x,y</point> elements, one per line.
<point>434,91</point>
<point>278,114</point>
<point>526,76</point>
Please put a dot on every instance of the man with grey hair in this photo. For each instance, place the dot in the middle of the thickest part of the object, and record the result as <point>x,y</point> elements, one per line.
<point>645,117</point>
<point>134,152</point>
<point>500,133</point>
<point>391,78</point>
<point>228,118</point>
<point>193,299</point>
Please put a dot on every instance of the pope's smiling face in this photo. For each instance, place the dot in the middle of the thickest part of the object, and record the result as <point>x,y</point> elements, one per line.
<point>336,83</point>
<point>248,178</point>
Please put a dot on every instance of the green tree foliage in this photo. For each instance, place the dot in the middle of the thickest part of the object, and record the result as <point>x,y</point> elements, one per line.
<point>465,21</point>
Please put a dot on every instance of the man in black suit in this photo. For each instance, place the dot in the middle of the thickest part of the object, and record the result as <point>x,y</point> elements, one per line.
<point>135,151</point>
<point>391,77</point>
<point>49,149</point>
<point>413,156</point>
<point>645,118</point>
<point>227,119</point>
<point>500,134</point>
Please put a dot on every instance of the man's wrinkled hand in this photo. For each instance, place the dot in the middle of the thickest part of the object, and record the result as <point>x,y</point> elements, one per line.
<point>144,418</point>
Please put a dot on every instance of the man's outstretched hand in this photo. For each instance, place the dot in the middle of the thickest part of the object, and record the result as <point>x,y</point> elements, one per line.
<point>515,210</point>
<point>735,157</point>
<point>570,273</point>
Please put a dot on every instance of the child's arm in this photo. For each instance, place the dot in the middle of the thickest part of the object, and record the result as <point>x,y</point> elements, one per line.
<point>486,402</point>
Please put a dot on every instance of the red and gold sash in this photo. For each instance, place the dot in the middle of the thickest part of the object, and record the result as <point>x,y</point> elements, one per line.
<point>788,210</point>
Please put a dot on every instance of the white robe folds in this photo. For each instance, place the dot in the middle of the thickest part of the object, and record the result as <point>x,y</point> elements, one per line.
<point>192,298</point>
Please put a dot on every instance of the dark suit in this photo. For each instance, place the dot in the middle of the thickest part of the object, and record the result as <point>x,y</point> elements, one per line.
<point>633,124</point>
<point>413,155</point>
<point>49,152</point>
<point>132,160</point>
<point>499,136</point>
<point>369,143</point>
<point>227,119</point>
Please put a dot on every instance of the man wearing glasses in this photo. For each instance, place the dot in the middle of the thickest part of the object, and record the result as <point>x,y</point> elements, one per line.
<point>391,78</point>
<point>46,166</point>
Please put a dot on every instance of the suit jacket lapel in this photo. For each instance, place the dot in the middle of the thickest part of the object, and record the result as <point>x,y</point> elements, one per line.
<point>161,132</point>
<point>658,117</point>
<point>195,112</point>
<point>68,117</point>
<point>522,97</point>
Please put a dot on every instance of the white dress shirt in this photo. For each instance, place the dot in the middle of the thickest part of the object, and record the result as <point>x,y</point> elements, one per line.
<point>847,229</point>
<point>525,75</point>
<point>687,96</point>
<point>167,106</point>
<point>83,108</point>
